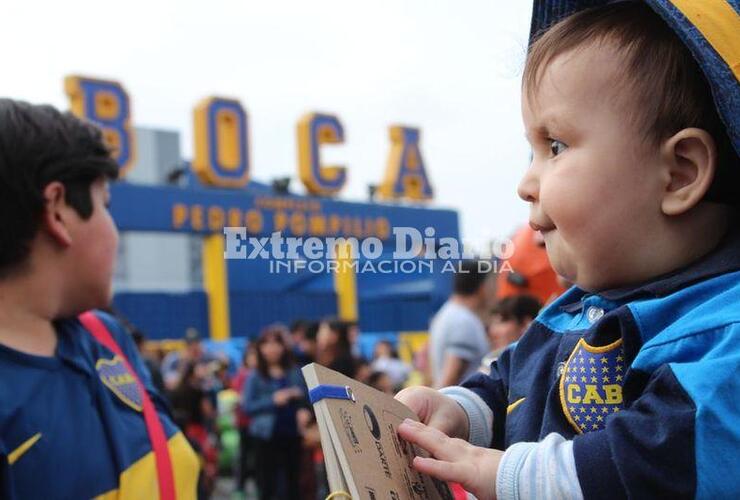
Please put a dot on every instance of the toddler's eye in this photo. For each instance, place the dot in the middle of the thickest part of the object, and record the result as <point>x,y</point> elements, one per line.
<point>557,147</point>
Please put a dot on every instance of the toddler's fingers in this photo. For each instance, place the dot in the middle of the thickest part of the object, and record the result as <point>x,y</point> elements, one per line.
<point>434,441</point>
<point>445,471</point>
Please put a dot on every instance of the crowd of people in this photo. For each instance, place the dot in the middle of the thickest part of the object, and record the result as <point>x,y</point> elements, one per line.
<point>279,450</point>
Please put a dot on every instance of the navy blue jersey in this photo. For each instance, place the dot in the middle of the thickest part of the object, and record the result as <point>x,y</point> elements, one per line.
<point>645,380</point>
<point>71,425</point>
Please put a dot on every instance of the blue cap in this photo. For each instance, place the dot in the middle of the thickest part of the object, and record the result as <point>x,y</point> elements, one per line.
<point>709,28</point>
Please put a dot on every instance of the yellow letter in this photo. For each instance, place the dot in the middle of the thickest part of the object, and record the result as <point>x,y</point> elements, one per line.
<point>315,129</point>
<point>106,104</point>
<point>221,129</point>
<point>613,393</point>
<point>405,175</point>
<point>592,395</point>
<point>573,398</point>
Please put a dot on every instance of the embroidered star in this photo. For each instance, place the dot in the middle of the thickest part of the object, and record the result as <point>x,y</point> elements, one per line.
<point>584,379</point>
<point>594,426</point>
<point>615,409</point>
<point>592,369</point>
<point>619,368</point>
<point>594,379</point>
<point>604,369</point>
<point>582,410</point>
<point>593,409</point>
<point>605,379</point>
<point>591,360</point>
<point>620,358</point>
<point>619,378</point>
<point>577,418</point>
<point>599,418</point>
<point>583,370</point>
<point>603,360</point>
<point>604,410</point>
<point>572,409</point>
<point>588,418</point>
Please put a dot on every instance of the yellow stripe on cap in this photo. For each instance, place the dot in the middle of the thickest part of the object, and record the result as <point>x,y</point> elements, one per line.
<point>720,25</point>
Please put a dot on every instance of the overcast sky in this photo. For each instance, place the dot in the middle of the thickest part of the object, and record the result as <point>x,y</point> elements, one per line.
<point>450,67</point>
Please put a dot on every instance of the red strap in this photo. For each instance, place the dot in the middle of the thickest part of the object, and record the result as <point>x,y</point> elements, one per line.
<point>153,425</point>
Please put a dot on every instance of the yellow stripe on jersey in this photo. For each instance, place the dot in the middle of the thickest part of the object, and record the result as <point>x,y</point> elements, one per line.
<point>14,455</point>
<point>140,479</point>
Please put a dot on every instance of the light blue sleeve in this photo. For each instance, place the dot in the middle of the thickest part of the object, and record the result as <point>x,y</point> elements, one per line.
<point>480,416</point>
<point>527,470</point>
<point>539,470</point>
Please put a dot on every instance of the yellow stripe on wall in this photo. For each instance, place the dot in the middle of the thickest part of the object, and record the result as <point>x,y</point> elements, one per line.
<point>720,25</point>
<point>345,283</point>
<point>216,285</point>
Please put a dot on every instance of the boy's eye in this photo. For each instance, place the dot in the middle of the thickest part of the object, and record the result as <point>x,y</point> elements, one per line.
<point>557,147</point>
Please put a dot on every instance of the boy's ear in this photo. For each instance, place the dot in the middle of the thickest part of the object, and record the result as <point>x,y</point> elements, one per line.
<point>56,212</point>
<point>690,159</point>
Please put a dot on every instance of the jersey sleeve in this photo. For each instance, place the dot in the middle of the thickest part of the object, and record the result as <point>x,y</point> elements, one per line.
<point>681,437</point>
<point>493,390</point>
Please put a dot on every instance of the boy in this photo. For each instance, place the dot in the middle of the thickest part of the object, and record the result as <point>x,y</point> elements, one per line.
<point>75,421</point>
<point>627,385</point>
<point>510,318</point>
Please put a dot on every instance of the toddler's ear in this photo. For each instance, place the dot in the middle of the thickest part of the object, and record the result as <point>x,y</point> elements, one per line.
<point>690,161</point>
<point>56,212</point>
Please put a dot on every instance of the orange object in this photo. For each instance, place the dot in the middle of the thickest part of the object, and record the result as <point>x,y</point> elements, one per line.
<point>532,273</point>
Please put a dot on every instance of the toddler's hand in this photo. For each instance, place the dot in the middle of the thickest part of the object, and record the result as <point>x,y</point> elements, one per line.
<point>454,460</point>
<point>436,410</point>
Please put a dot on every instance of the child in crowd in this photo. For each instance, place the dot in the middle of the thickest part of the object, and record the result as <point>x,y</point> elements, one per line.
<point>510,318</point>
<point>273,397</point>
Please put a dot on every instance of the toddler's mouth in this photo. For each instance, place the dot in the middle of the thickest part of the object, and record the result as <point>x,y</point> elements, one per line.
<point>541,228</point>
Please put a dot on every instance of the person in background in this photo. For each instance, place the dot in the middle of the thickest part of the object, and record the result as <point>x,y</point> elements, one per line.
<point>273,396</point>
<point>334,349</point>
<point>173,363</point>
<point>193,411</point>
<point>529,271</point>
<point>299,331</point>
<point>385,360</point>
<point>382,382</point>
<point>308,345</point>
<point>457,336</point>
<point>151,364</point>
<point>353,333</point>
<point>246,442</point>
<point>510,318</point>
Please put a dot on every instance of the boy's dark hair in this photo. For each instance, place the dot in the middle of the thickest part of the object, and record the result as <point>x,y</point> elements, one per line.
<point>298,325</point>
<point>341,328</point>
<point>39,145</point>
<point>669,88</point>
<point>391,347</point>
<point>470,277</point>
<point>519,308</point>
<point>312,329</point>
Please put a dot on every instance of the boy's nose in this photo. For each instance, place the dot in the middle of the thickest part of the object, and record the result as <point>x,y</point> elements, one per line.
<point>529,186</point>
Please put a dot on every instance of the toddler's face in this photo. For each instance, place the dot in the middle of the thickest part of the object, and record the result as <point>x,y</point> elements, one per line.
<point>593,185</point>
